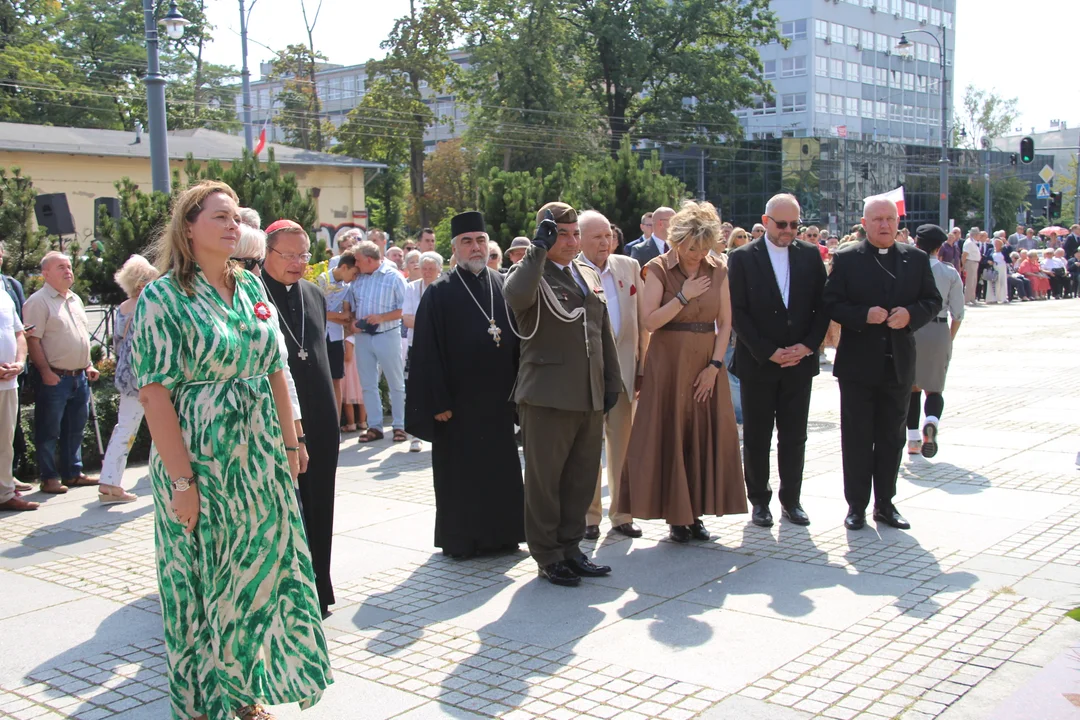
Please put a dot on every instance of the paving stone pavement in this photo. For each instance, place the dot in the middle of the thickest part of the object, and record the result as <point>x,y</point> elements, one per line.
<point>948,620</point>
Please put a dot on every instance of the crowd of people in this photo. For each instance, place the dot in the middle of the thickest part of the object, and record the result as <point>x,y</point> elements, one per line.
<point>681,352</point>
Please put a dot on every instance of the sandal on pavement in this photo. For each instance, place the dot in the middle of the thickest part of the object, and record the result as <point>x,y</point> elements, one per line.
<point>400,436</point>
<point>114,495</point>
<point>81,481</point>
<point>370,435</point>
<point>253,712</point>
<point>349,428</point>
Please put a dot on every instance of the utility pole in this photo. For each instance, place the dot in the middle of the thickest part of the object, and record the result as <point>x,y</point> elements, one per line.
<point>245,77</point>
<point>701,177</point>
<point>987,220</point>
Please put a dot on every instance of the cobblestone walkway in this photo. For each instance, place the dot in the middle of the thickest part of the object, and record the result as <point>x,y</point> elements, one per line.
<point>948,620</point>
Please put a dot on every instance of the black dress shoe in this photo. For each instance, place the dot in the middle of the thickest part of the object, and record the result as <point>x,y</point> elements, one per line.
<point>559,573</point>
<point>892,518</point>
<point>796,515</point>
<point>679,533</point>
<point>628,529</point>
<point>761,516</point>
<point>855,520</point>
<point>585,567</point>
<point>592,532</point>
<point>698,531</point>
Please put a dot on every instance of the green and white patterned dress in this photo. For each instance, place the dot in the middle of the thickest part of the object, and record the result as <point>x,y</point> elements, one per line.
<point>242,620</point>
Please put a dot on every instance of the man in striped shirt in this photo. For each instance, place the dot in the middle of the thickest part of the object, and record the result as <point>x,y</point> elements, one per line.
<point>376,298</point>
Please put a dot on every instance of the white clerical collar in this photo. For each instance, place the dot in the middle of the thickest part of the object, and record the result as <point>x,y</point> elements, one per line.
<point>773,247</point>
<point>288,288</point>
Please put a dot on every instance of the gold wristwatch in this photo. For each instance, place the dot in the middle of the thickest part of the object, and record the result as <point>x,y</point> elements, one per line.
<point>183,483</point>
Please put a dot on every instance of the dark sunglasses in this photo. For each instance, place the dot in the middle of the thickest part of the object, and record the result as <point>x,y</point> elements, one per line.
<point>248,264</point>
<point>782,225</point>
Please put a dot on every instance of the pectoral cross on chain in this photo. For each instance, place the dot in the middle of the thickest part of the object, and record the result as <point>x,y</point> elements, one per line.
<point>495,332</point>
<point>303,354</point>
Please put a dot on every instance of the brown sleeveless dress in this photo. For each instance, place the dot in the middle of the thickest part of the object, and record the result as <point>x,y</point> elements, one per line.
<point>684,459</point>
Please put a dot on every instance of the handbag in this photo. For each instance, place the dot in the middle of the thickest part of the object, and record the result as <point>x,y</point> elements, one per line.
<point>990,275</point>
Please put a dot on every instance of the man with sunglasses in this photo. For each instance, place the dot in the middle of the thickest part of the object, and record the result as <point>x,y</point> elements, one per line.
<point>779,318</point>
<point>301,313</point>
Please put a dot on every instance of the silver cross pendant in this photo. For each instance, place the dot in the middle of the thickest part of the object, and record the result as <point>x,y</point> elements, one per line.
<point>495,332</point>
<point>303,354</point>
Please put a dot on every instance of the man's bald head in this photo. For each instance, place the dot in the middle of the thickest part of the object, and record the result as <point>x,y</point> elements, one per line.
<point>597,238</point>
<point>880,221</point>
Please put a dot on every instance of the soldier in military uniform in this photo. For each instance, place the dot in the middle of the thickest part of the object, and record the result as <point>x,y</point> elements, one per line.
<point>568,378</point>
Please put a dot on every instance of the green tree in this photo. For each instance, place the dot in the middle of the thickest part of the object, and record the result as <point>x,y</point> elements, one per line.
<point>143,216</point>
<point>449,181</point>
<point>300,115</point>
<point>1065,183</point>
<point>525,95</point>
<point>509,200</point>
<point>695,63</point>
<point>418,56</point>
<point>24,243</point>
<point>984,116</point>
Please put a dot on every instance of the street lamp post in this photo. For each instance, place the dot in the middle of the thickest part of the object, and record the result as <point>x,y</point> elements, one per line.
<point>943,163</point>
<point>174,24</point>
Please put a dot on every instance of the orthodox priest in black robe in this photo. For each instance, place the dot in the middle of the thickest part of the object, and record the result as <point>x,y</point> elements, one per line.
<point>458,398</point>
<point>301,312</point>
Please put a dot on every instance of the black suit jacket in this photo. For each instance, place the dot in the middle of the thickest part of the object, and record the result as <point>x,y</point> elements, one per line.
<point>1071,244</point>
<point>855,285</point>
<point>762,323</point>
<point>644,251</point>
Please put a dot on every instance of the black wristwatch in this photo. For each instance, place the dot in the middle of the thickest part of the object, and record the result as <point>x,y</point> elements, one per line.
<point>719,365</point>
<point>301,439</point>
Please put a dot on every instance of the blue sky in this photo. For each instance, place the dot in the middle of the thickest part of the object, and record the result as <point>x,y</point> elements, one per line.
<point>1035,65</point>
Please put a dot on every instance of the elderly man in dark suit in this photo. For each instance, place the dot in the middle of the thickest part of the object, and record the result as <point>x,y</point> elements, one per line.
<point>567,381</point>
<point>880,292</point>
<point>777,310</point>
<point>657,245</point>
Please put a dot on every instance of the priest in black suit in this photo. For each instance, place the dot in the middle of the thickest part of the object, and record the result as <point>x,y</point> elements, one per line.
<point>458,397</point>
<point>301,312</point>
<point>779,319</point>
<point>880,293</point>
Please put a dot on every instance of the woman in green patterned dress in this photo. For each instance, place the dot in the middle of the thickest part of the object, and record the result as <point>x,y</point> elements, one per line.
<point>242,621</point>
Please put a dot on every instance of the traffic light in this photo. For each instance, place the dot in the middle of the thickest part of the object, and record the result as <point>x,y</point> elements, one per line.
<point>1012,159</point>
<point>1027,150</point>
<point>1055,204</point>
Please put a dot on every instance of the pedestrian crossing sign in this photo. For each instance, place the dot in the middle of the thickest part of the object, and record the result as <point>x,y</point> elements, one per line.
<point>1042,191</point>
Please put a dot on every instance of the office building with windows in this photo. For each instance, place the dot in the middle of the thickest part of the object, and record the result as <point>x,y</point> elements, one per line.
<point>842,74</point>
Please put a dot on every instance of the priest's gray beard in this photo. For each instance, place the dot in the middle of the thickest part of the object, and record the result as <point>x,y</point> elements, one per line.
<point>474,266</point>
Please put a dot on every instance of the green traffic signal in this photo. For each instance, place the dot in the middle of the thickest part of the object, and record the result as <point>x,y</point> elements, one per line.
<point>1027,150</point>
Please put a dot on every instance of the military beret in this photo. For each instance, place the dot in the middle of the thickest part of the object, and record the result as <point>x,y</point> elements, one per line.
<point>563,213</point>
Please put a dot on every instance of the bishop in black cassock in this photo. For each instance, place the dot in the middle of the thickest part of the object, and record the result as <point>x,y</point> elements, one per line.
<point>458,398</point>
<point>301,312</point>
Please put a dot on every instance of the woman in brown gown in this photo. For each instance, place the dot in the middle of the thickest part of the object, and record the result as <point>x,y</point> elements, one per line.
<point>684,458</point>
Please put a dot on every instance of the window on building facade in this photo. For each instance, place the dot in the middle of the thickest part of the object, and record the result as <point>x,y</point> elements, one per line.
<point>836,104</point>
<point>821,66</point>
<point>882,110</point>
<point>868,3</point>
<point>883,5</point>
<point>836,68</point>
<point>868,109</point>
<point>793,103</point>
<point>895,112</point>
<point>853,71</point>
<point>935,17</point>
<point>852,35</point>
<point>947,19</point>
<point>868,74</point>
<point>836,32</point>
<point>882,42</point>
<point>769,69</point>
<point>921,51</point>
<point>909,113</point>
<point>924,13</point>
<point>933,54</point>
<point>867,39</point>
<point>881,75</point>
<point>909,81</point>
<point>894,78</point>
<point>897,6</point>
<point>764,107</point>
<point>922,85</point>
<point>909,10</point>
<point>333,89</point>
<point>793,66</point>
<point>821,29</point>
<point>935,115</point>
<point>821,102</point>
<point>934,85</point>
<point>793,29</point>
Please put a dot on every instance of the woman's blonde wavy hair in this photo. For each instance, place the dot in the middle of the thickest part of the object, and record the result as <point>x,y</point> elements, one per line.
<point>172,250</point>
<point>697,224</point>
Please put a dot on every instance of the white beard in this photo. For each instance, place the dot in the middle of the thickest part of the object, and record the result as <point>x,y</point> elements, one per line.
<point>474,266</point>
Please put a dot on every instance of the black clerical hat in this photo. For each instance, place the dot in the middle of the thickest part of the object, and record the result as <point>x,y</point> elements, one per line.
<point>467,222</point>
